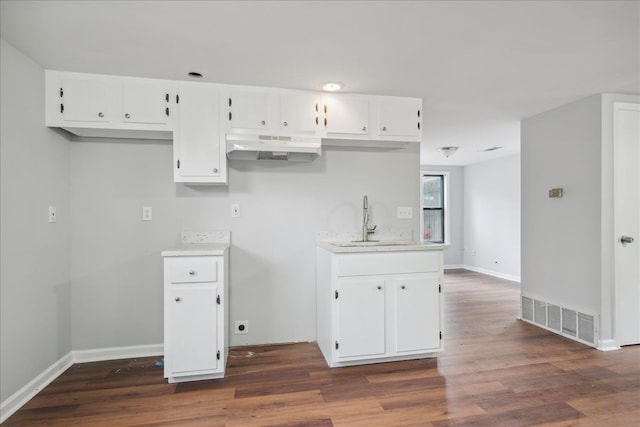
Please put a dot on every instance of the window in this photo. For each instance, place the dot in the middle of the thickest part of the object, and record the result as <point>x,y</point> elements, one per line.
<point>433,207</point>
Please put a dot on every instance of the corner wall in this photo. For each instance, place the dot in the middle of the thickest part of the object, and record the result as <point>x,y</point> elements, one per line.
<point>35,328</point>
<point>492,217</point>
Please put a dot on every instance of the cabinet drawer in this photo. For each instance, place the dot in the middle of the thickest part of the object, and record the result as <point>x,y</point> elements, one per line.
<point>190,270</point>
<point>363,264</point>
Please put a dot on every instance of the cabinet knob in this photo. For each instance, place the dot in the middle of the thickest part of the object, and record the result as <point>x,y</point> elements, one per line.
<point>364,128</point>
<point>192,272</point>
<point>178,299</point>
<point>402,286</point>
<point>127,116</point>
<point>215,170</point>
<point>100,114</point>
<point>263,123</point>
<point>379,287</point>
<point>285,124</point>
<point>384,128</point>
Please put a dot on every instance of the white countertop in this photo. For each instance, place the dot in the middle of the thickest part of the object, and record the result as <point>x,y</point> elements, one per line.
<point>385,246</point>
<point>197,249</point>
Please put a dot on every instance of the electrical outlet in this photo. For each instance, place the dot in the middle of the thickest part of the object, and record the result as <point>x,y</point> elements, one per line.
<point>235,210</point>
<point>53,217</point>
<point>242,327</point>
<point>405,212</point>
<point>147,213</point>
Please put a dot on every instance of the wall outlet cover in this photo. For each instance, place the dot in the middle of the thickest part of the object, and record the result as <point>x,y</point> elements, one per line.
<point>235,210</point>
<point>241,327</point>
<point>147,213</point>
<point>53,216</point>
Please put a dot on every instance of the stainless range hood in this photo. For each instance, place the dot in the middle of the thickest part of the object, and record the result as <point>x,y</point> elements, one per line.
<point>267,147</point>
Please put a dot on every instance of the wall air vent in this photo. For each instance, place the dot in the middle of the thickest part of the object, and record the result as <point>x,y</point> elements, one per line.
<point>564,321</point>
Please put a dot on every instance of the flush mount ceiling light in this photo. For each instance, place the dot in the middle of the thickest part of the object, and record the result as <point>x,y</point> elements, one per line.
<point>332,86</point>
<point>491,149</point>
<point>195,75</point>
<point>448,151</point>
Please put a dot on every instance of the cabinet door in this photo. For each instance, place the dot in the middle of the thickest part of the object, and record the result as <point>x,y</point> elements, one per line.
<point>300,113</point>
<point>88,100</point>
<point>360,317</point>
<point>347,115</point>
<point>399,117</point>
<point>193,328</point>
<point>145,103</point>
<point>197,142</point>
<point>252,111</point>
<point>417,314</point>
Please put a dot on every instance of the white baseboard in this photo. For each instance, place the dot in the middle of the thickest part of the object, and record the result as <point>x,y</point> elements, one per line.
<point>492,273</point>
<point>14,402</point>
<point>114,353</point>
<point>26,393</point>
<point>607,345</point>
<point>453,266</point>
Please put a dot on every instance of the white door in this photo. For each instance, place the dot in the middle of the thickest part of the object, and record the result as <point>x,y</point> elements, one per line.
<point>300,113</point>
<point>87,101</point>
<point>251,111</point>
<point>145,103</point>
<point>196,142</point>
<point>626,148</point>
<point>360,317</point>
<point>193,329</point>
<point>399,117</point>
<point>417,314</point>
<point>347,115</point>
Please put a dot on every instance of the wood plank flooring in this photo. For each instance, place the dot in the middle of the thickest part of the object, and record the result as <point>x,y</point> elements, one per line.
<point>495,371</point>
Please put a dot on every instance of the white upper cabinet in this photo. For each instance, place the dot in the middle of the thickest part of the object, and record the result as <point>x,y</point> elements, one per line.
<point>301,113</point>
<point>109,106</point>
<point>347,115</point>
<point>399,117</point>
<point>87,100</point>
<point>267,111</point>
<point>145,103</point>
<point>198,148</point>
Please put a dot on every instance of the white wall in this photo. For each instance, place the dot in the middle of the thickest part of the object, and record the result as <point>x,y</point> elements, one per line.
<point>35,328</point>
<point>561,236</point>
<point>492,217</point>
<point>453,254</point>
<point>117,269</point>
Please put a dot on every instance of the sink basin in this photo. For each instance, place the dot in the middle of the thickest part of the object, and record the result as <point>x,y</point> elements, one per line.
<point>360,244</point>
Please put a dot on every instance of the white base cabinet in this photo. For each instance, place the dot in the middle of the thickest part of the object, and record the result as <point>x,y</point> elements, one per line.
<point>195,317</point>
<point>378,306</point>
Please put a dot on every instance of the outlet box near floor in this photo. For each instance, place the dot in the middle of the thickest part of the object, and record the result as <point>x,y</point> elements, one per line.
<point>241,327</point>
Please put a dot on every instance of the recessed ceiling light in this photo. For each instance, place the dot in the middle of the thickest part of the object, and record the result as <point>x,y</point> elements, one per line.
<point>491,149</point>
<point>195,75</point>
<point>332,86</point>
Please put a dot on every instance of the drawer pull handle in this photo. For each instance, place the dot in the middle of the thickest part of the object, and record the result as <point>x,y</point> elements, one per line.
<point>178,299</point>
<point>192,272</point>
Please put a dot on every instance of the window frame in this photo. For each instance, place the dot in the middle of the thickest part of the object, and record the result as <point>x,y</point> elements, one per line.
<point>445,204</point>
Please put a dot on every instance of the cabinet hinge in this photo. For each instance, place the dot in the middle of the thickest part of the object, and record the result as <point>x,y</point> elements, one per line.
<point>317,121</point>
<point>325,108</point>
<point>177,99</point>
<point>229,102</point>
<point>325,121</point>
<point>178,164</point>
<point>439,288</point>
<point>440,334</point>
<point>62,108</point>
<point>230,115</point>
<point>418,125</point>
<point>337,345</point>
<point>218,355</point>
<point>61,92</point>
<point>336,294</point>
<point>166,111</point>
<point>418,113</point>
<point>218,299</point>
<point>166,97</point>
<point>316,107</point>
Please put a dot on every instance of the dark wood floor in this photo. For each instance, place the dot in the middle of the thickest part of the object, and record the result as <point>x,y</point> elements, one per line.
<point>495,371</point>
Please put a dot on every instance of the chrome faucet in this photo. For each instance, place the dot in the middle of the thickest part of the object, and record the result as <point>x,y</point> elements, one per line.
<point>365,220</point>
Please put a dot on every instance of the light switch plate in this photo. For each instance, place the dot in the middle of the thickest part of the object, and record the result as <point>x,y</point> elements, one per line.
<point>405,212</point>
<point>147,213</point>
<point>235,210</point>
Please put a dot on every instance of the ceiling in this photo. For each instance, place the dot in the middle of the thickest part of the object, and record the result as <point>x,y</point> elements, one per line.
<point>479,66</point>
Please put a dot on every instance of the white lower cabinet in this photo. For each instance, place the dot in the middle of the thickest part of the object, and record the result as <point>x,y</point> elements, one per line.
<point>378,307</point>
<point>195,308</point>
